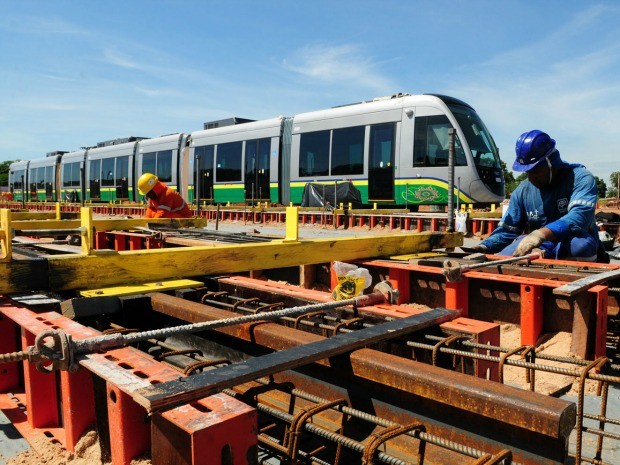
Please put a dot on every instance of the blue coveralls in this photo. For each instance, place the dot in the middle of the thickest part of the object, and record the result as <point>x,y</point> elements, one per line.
<point>566,207</point>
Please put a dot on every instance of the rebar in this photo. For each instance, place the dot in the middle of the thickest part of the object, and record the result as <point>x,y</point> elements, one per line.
<point>429,438</point>
<point>517,363</point>
<point>96,343</point>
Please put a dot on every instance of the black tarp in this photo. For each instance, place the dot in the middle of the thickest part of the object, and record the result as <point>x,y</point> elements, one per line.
<point>322,195</point>
<point>607,217</point>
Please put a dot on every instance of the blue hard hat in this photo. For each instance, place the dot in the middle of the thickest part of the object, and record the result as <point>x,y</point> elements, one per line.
<point>532,147</point>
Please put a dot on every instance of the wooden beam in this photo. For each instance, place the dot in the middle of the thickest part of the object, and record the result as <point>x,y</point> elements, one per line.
<point>103,269</point>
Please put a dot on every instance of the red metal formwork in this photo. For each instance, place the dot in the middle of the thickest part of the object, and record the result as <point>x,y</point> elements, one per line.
<point>124,370</point>
<point>531,294</point>
<point>209,431</point>
<point>481,332</point>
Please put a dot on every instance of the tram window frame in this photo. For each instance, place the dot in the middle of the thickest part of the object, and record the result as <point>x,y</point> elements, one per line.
<point>228,162</point>
<point>316,147</point>
<point>422,156</point>
<point>347,150</point>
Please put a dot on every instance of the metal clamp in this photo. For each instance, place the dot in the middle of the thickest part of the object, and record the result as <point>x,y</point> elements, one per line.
<point>55,356</point>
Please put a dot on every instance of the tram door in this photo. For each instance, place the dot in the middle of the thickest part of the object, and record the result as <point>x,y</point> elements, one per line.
<point>257,169</point>
<point>204,172</point>
<point>381,162</point>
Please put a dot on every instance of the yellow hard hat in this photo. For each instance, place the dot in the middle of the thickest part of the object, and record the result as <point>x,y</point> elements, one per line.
<point>146,183</point>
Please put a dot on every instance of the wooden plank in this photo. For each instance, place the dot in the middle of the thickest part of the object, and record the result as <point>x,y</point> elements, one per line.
<point>586,283</point>
<point>172,393</point>
<point>105,269</point>
<point>24,275</point>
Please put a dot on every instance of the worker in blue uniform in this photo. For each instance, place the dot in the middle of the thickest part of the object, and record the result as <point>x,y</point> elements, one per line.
<point>552,210</point>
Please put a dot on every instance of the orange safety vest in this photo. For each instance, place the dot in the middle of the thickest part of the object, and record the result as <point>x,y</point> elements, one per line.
<point>168,204</point>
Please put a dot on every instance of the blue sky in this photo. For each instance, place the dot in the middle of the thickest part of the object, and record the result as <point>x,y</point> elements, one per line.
<point>73,73</point>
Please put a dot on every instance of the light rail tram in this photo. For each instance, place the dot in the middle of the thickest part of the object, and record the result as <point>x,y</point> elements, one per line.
<point>393,149</point>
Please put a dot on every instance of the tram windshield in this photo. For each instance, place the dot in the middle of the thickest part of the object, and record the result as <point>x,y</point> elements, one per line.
<point>481,144</point>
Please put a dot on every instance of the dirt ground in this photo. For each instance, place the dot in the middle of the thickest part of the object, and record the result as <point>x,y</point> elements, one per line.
<point>46,452</point>
<point>557,344</point>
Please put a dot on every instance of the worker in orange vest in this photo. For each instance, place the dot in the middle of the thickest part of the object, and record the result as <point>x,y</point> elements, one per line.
<point>163,202</point>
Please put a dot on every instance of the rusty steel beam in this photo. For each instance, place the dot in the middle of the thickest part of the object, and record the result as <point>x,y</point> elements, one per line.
<point>523,409</point>
<point>174,392</point>
<point>586,283</point>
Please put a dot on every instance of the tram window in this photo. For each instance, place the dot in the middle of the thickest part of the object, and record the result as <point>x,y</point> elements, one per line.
<point>71,174</point>
<point>348,151</point>
<point>382,145</point>
<point>49,175</point>
<point>17,179</point>
<point>431,142</point>
<point>122,170</point>
<point>107,171</point>
<point>41,178</point>
<point>95,170</point>
<point>149,162</point>
<point>75,174</point>
<point>66,175</point>
<point>228,162</point>
<point>314,154</point>
<point>158,163</point>
<point>164,165</point>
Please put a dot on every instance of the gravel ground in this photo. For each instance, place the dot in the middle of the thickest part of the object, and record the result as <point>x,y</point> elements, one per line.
<point>316,231</point>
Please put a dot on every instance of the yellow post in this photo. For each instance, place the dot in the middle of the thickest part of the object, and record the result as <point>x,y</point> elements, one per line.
<point>5,235</point>
<point>492,207</point>
<point>374,206</point>
<point>57,210</point>
<point>292,224</point>
<point>86,217</point>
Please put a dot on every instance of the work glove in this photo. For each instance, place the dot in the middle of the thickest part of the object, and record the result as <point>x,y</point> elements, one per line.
<point>532,241</point>
<point>480,248</point>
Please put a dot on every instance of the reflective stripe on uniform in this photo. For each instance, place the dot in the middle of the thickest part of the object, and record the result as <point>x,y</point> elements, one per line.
<point>501,224</point>
<point>179,208</point>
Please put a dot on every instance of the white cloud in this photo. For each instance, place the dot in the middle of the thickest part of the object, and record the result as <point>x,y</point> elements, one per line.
<point>555,85</point>
<point>338,64</point>
<point>116,58</point>
<point>38,25</point>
